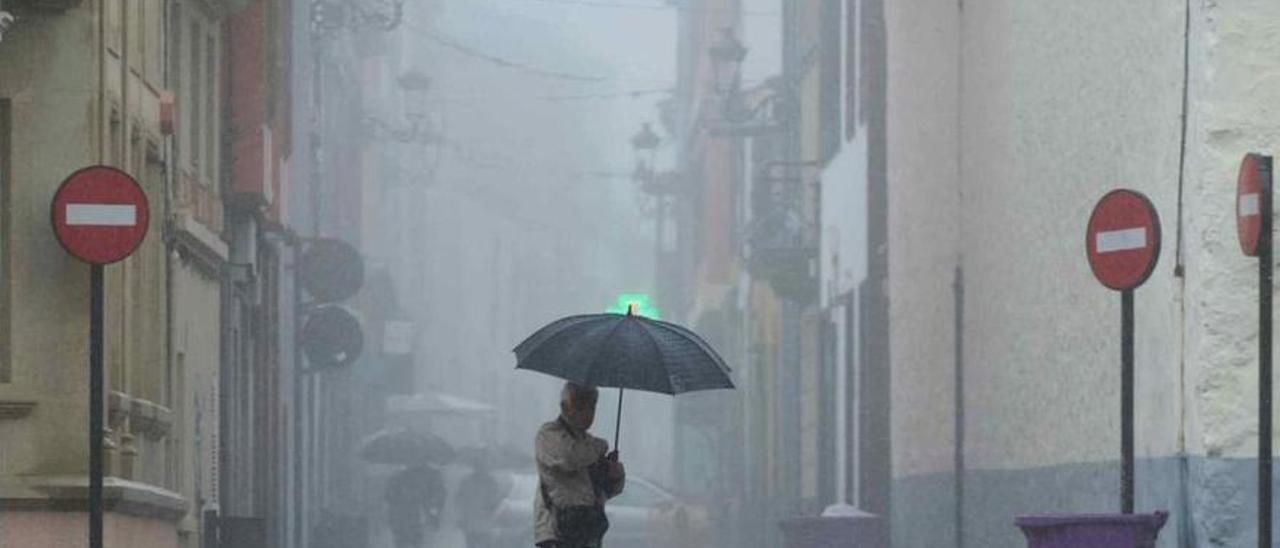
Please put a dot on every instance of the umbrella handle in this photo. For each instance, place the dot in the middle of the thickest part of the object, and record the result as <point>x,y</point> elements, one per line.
<point>617,428</point>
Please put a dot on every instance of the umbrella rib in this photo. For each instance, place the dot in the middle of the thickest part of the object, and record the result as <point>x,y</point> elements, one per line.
<point>559,327</point>
<point>662,355</point>
<point>703,345</point>
<point>595,361</point>
<point>546,343</point>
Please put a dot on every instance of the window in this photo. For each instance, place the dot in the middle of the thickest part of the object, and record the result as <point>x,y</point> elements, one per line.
<point>136,25</point>
<point>113,18</point>
<point>195,91</point>
<point>210,105</point>
<point>829,95</point>
<point>867,29</point>
<point>850,68</point>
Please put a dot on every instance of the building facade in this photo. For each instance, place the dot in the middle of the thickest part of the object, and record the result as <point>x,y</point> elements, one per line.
<point>178,94</point>
<point>102,105</point>
<point>1007,121</point>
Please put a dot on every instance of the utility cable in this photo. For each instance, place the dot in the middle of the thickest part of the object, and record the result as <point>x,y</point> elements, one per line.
<point>653,7</point>
<point>453,44</point>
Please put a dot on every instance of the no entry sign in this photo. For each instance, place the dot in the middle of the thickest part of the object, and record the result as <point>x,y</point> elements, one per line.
<point>1123,239</point>
<point>100,215</point>
<point>1254,209</point>
<point>1123,244</point>
<point>1249,202</point>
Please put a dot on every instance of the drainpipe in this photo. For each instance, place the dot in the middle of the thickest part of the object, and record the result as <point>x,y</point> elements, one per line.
<point>959,411</point>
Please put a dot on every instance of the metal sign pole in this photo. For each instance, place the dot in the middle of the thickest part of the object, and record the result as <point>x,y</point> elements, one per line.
<point>96,406</point>
<point>299,365</point>
<point>1264,354</point>
<point>1126,401</point>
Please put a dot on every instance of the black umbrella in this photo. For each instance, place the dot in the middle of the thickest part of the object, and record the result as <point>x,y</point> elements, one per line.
<point>405,446</point>
<point>624,351</point>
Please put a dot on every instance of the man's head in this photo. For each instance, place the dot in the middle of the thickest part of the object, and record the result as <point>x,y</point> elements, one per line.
<point>578,405</point>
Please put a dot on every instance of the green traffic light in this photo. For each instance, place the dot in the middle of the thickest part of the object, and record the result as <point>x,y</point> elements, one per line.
<point>643,305</point>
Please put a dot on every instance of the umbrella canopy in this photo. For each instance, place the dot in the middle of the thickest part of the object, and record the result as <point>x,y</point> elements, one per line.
<point>404,446</point>
<point>624,351</point>
<point>437,403</point>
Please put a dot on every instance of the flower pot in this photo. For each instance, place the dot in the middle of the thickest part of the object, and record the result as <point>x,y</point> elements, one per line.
<point>1092,530</point>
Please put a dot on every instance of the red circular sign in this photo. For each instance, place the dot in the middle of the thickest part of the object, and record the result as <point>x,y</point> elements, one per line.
<point>1250,202</point>
<point>1123,239</point>
<point>100,215</point>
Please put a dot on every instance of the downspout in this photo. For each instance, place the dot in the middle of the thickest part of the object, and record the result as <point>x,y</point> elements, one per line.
<point>958,289</point>
<point>125,152</point>
<point>1186,529</point>
<point>166,228</point>
<point>102,83</point>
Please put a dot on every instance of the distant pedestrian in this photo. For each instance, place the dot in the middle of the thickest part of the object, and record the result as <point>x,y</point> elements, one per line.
<point>415,499</point>
<point>478,497</point>
<point>576,473</point>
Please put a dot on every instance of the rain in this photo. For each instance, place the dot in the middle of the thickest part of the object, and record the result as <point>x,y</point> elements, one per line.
<point>637,273</point>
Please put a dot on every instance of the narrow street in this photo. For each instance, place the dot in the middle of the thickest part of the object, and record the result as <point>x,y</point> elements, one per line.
<point>637,273</point>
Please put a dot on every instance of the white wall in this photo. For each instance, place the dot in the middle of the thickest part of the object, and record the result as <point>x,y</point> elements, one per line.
<point>923,228</point>
<point>1008,120</point>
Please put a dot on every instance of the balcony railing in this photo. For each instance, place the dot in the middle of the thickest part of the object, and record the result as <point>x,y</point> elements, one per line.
<point>198,200</point>
<point>782,238</point>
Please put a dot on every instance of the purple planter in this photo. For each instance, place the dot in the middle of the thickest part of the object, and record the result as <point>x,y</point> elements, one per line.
<point>1092,530</point>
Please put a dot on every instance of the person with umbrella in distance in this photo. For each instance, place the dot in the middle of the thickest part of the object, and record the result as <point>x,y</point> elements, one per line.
<point>479,495</point>
<point>415,494</point>
<point>577,472</point>
<point>415,499</point>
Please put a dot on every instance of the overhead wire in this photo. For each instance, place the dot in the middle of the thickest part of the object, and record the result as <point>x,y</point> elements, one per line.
<point>451,43</point>
<point>654,7</point>
<point>609,95</point>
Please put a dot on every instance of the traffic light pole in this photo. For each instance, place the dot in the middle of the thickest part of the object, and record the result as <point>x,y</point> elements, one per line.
<point>299,491</point>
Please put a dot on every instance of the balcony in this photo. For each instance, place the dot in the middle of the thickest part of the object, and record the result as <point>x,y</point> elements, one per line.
<point>782,243</point>
<point>197,220</point>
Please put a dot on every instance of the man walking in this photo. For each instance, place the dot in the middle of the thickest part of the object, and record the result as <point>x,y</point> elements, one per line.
<point>576,473</point>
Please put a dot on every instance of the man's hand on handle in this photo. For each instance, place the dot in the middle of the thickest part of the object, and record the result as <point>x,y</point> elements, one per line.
<point>616,470</point>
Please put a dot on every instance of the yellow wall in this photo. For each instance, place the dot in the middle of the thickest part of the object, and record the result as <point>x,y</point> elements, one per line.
<point>69,111</point>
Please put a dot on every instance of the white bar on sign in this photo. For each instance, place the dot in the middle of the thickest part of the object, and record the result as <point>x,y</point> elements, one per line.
<point>1122,240</point>
<point>1249,205</point>
<point>102,215</point>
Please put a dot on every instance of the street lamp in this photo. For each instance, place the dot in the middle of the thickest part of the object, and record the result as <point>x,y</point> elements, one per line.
<point>417,127</point>
<point>743,113</point>
<point>727,55</point>
<point>329,16</point>
<point>646,139</point>
<point>658,189</point>
<point>645,145</point>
